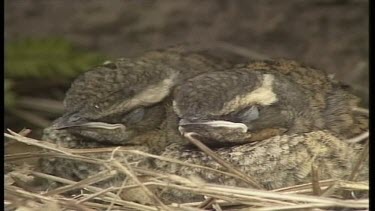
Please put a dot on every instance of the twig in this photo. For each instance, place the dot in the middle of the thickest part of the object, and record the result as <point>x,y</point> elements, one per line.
<point>137,152</point>
<point>127,170</point>
<point>362,157</point>
<point>361,110</point>
<point>34,142</point>
<point>106,174</point>
<point>248,193</point>
<point>206,203</point>
<point>96,194</point>
<point>306,188</point>
<point>329,190</point>
<point>119,191</point>
<point>66,181</point>
<point>294,207</point>
<point>358,138</point>
<point>315,180</point>
<point>212,154</point>
<point>34,196</point>
<point>24,132</point>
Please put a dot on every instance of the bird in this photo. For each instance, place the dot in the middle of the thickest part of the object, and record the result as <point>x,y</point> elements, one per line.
<point>261,99</point>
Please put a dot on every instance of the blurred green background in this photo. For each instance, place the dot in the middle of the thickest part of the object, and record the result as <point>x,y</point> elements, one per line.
<point>37,72</point>
<point>47,43</point>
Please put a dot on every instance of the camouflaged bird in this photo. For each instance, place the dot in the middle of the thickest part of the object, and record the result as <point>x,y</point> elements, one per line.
<point>297,114</point>
<point>262,99</point>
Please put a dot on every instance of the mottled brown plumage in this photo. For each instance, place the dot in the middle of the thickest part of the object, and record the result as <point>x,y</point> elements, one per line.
<point>297,114</point>
<point>263,99</point>
<point>273,163</point>
<point>116,101</point>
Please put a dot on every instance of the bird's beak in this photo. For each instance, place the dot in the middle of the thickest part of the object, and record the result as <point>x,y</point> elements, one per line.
<point>216,123</point>
<point>103,125</point>
<point>65,122</point>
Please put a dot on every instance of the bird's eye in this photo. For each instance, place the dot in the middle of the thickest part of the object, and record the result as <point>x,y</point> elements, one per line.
<point>74,118</point>
<point>250,114</point>
<point>134,116</point>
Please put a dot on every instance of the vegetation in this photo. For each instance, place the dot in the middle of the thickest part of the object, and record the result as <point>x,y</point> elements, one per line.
<point>33,66</point>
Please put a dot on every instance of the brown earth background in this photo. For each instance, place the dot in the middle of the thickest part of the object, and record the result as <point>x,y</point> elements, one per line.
<point>328,34</point>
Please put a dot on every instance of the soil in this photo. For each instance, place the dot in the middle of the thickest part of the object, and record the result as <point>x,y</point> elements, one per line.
<point>330,35</point>
<point>327,34</point>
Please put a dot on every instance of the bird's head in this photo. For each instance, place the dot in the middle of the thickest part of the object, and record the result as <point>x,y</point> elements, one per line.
<point>116,101</point>
<point>238,105</point>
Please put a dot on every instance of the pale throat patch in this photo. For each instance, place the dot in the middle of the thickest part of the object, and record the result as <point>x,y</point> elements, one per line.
<point>263,95</point>
<point>154,93</point>
<point>175,108</point>
<point>150,95</point>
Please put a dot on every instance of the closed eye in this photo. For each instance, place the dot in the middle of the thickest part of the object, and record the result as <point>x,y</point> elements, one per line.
<point>249,114</point>
<point>134,116</point>
<point>74,118</point>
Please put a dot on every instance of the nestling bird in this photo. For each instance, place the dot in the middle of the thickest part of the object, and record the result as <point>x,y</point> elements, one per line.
<point>262,99</point>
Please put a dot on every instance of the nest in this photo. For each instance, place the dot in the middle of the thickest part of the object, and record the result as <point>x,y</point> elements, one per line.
<point>21,193</point>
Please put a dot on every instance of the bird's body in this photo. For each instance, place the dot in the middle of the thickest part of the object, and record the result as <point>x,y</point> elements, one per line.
<point>330,99</point>
<point>264,99</point>
<point>280,161</point>
<point>296,114</point>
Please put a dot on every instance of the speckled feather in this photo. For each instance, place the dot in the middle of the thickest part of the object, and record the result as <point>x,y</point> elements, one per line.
<point>300,99</point>
<point>275,161</point>
<point>102,88</point>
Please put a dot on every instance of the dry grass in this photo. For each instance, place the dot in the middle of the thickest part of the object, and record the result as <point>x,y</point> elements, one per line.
<point>19,195</point>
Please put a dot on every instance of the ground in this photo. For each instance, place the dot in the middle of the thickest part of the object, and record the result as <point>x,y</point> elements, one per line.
<point>331,35</point>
